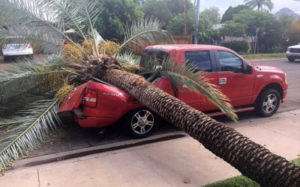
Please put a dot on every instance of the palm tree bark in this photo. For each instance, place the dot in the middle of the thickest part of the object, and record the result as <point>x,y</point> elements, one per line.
<point>251,159</point>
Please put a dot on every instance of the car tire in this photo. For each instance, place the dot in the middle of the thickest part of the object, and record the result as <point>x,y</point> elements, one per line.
<point>5,59</point>
<point>268,102</point>
<point>141,122</point>
<point>291,59</point>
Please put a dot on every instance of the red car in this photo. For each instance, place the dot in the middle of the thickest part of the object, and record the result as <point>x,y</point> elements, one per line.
<point>249,86</point>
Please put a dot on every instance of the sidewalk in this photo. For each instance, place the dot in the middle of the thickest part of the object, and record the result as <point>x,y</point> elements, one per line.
<point>180,162</point>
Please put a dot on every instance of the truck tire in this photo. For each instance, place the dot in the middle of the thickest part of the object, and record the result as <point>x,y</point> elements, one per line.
<point>268,102</point>
<point>291,59</point>
<point>141,122</point>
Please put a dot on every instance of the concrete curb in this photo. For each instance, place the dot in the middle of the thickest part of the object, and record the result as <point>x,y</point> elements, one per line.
<point>95,149</point>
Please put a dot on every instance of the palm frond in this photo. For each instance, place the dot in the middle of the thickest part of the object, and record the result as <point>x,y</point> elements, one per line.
<point>21,77</point>
<point>145,32</point>
<point>39,120</point>
<point>58,16</point>
<point>188,76</point>
<point>129,62</point>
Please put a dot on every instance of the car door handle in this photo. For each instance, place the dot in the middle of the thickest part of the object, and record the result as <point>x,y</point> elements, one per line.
<point>223,81</point>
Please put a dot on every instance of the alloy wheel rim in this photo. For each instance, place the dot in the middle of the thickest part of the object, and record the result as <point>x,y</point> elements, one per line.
<point>142,122</point>
<point>270,103</point>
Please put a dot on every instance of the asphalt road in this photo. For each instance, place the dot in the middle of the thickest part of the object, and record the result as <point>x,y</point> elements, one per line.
<point>72,137</point>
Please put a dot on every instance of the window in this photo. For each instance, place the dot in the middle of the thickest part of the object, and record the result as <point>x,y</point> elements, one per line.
<point>230,62</point>
<point>153,58</point>
<point>201,60</point>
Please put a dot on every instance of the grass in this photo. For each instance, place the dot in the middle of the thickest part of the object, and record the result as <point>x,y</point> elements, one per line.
<point>241,181</point>
<point>264,56</point>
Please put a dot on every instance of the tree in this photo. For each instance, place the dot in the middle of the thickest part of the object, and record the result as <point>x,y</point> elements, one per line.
<point>212,14</point>
<point>231,28</point>
<point>115,16</point>
<point>176,25</point>
<point>228,15</point>
<point>251,159</point>
<point>164,10</point>
<point>270,32</point>
<point>260,4</point>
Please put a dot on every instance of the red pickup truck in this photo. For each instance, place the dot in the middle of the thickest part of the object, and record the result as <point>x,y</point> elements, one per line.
<point>249,87</point>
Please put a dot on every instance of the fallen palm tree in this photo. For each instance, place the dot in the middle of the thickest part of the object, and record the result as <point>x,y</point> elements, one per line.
<point>92,61</point>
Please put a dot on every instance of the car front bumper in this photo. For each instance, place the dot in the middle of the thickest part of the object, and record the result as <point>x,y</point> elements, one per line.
<point>17,53</point>
<point>292,55</point>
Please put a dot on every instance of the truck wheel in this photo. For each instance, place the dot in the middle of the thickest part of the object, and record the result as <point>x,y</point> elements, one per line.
<point>141,122</point>
<point>268,103</point>
<point>291,59</point>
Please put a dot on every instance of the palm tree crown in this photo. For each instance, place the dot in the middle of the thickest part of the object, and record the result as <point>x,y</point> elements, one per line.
<point>260,4</point>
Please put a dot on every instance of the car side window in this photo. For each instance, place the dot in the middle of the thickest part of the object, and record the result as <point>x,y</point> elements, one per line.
<point>200,59</point>
<point>230,62</point>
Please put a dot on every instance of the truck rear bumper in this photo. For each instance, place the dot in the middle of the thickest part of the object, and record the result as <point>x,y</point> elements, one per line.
<point>94,122</point>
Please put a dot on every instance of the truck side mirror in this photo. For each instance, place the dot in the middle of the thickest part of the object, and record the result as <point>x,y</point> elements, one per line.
<point>248,69</point>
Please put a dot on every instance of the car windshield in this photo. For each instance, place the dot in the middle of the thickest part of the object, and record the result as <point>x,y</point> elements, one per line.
<point>152,58</point>
<point>15,41</point>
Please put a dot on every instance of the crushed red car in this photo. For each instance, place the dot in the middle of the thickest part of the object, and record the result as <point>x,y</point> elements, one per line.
<point>249,87</point>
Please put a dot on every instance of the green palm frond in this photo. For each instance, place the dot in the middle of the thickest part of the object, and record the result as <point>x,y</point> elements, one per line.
<point>57,15</point>
<point>21,77</point>
<point>189,76</point>
<point>37,122</point>
<point>145,32</point>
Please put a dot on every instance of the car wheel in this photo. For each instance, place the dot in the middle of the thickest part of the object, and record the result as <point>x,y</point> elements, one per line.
<point>291,59</point>
<point>141,122</point>
<point>268,103</point>
<point>5,59</point>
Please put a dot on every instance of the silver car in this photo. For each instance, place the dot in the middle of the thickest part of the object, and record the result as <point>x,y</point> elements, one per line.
<point>15,47</point>
<point>293,53</point>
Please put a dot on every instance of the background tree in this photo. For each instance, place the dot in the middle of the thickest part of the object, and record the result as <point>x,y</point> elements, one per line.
<point>269,34</point>
<point>228,15</point>
<point>164,10</point>
<point>260,4</point>
<point>176,25</point>
<point>235,29</point>
<point>213,15</point>
<point>115,15</point>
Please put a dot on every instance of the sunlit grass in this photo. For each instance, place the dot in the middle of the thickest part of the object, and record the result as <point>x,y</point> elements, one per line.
<point>241,181</point>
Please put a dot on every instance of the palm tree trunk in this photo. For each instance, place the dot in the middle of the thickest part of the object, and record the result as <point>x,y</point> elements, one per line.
<point>251,159</point>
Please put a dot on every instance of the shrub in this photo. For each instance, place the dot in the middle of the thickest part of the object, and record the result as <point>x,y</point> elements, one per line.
<point>238,46</point>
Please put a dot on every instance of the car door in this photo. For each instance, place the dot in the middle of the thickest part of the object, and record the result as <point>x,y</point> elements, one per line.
<point>203,61</point>
<point>233,82</point>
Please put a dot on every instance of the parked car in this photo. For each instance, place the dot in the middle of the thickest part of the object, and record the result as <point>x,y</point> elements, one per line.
<point>293,53</point>
<point>249,86</point>
<point>16,47</point>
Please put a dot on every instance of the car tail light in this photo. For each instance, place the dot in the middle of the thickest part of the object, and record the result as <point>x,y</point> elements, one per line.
<point>90,98</point>
<point>4,46</point>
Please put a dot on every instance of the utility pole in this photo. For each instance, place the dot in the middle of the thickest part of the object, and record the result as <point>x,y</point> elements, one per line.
<point>185,18</point>
<point>197,21</point>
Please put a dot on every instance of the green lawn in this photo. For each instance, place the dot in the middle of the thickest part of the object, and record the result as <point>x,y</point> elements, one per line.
<point>240,181</point>
<point>264,56</point>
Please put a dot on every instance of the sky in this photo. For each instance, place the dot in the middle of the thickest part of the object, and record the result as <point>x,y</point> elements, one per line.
<point>224,4</point>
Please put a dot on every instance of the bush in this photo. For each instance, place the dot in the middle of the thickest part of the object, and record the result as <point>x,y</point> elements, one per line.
<point>238,46</point>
